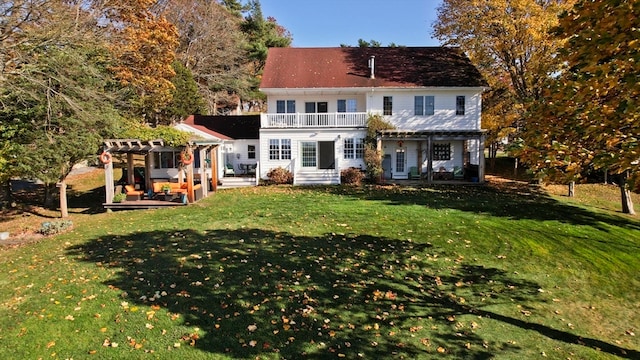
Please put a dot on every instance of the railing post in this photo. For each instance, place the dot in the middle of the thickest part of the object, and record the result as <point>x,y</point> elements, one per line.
<point>337,170</point>
<point>293,169</point>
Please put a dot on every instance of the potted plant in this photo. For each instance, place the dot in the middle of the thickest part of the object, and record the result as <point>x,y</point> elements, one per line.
<point>119,197</point>
<point>166,188</point>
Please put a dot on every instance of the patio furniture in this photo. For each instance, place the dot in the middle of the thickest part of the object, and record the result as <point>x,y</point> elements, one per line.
<point>458,173</point>
<point>228,170</point>
<point>132,193</point>
<point>413,173</point>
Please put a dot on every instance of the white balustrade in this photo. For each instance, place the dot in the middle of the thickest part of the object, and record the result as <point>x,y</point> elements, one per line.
<point>315,120</point>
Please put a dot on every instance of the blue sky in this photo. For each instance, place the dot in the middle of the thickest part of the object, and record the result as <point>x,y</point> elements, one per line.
<point>329,23</point>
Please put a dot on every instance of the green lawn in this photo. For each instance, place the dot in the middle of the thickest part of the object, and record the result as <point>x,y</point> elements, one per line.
<point>331,272</point>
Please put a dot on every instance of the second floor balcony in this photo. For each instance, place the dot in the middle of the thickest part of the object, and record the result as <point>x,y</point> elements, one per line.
<point>314,120</point>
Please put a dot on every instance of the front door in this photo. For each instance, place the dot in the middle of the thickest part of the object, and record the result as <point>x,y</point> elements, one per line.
<point>386,166</point>
<point>326,155</point>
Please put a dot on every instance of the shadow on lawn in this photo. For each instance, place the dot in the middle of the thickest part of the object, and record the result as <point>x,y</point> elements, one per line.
<point>258,292</point>
<point>512,200</point>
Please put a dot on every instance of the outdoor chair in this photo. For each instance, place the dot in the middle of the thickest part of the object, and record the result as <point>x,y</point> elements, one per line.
<point>132,193</point>
<point>252,169</point>
<point>228,170</point>
<point>458,173</point>
<point>413,173</point>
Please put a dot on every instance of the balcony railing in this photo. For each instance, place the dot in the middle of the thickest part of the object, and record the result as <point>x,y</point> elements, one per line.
<point>322,120</point>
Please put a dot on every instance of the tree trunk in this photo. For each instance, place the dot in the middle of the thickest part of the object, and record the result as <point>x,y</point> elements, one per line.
<point>625,195</point>
<point>515,168</point>
<point>493,151</point>
<point>48,195</point>
<point>64,211</point>
<point>572,189</point>
<point>7,196</point>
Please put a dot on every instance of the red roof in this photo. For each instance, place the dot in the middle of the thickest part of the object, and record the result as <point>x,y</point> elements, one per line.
<point>348,67</point>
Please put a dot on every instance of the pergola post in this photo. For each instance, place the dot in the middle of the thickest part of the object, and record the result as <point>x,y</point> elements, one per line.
<point>481,159</point>
<point>429,158</point>
<point>108,182</point>
<point>130,175</point>
<point>214,168</point>
<point>204,182</point>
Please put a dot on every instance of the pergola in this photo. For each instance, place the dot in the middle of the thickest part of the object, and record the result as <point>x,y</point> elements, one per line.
<point>427,137</point>
<point>132,147</point>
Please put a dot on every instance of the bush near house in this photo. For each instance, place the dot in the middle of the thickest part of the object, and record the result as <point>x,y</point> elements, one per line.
<point>351,176</point>
<point>280,175</point>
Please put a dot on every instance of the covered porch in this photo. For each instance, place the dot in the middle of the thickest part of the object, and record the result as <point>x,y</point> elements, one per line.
<point>152,191</point>
<point>433,156</point>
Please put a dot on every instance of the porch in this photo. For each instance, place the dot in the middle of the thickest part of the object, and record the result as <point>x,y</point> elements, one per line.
<point>433,156</point>
<point>315,120</point>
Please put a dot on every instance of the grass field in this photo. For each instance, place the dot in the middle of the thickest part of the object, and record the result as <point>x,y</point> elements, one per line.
<point>469,272</point>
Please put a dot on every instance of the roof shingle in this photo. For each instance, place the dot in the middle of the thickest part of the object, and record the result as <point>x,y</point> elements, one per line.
<point>348,68</point>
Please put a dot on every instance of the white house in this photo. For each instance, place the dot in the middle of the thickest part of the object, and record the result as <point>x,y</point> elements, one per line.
<point>319,100</point>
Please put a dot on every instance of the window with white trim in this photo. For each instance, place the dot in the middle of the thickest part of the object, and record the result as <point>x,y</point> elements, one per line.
<point>442,151</point>
<point>460,102</point>
<point>347,105</point>
<point>279,149</point>
<point>251,151</point>
<point>285,106</point>
<point>424,105</point>
<point>354,148</point>
<point>387,105</point>
<point>166,159</point>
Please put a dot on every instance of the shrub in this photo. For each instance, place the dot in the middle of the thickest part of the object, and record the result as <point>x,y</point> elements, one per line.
<point>373,160</point>
<point>280,175</point>
<point>351,176</point>
<point>55,227</point>
<point>119,197</point>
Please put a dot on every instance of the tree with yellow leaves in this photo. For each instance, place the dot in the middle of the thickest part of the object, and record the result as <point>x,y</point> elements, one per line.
<point>510,43</point>
<point>590,114</point>
<point>143,45</point>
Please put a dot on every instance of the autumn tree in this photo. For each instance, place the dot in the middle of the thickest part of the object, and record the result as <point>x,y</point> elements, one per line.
<point>510,43</point>
<point>212,47</point>
<point>143,44</point>
<point>592,111</point>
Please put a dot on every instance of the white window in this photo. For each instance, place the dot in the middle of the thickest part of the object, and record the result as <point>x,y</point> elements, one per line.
<point>308,154</point>
<point>460,100</point>
<point>348,105</point>
<point>442,151</point>
<point>353,148</point>
<point>387,105</point>
<point>251,151</point>
<point>166,159</point>
<point>285,106</point>
<point>279,149</point>
<point>424,105</point>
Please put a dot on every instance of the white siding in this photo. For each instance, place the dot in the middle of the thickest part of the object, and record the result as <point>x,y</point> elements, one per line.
<point>330,99</point>
<point>403,116</point>
<point>298,135</point>
<point>444,117</point>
